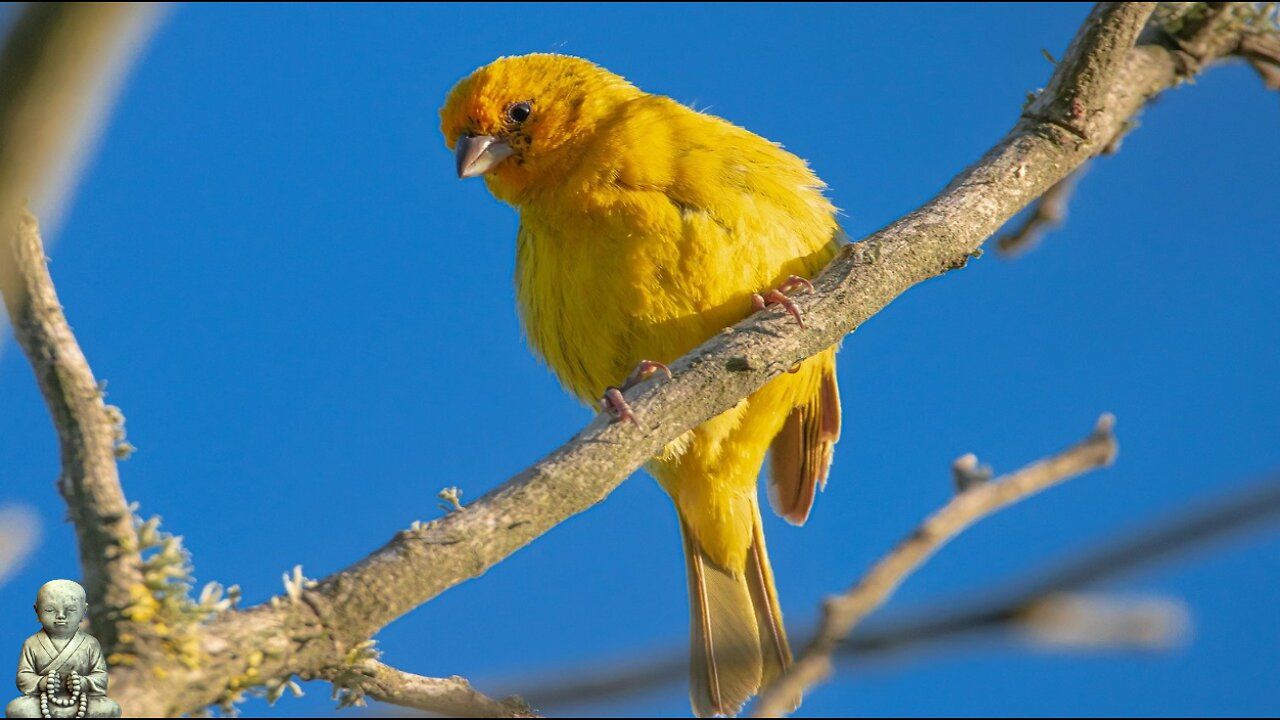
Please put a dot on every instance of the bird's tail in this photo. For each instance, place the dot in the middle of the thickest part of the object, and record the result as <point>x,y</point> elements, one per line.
<point>737,640</point>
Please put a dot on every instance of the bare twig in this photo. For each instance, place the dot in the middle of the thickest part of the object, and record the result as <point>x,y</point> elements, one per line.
<point>1010,608</point>
<point>452,696</point>
<point>967,473</point>
<point>1091,621</point>
<point>841,613</point>
<point>1203,523</point>
<point>1197,33</point>
<point>1046,214</point>
<point>1068,620</point>
<point>89,431</point>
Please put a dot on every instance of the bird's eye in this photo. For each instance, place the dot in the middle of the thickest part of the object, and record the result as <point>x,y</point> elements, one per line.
<point>519,112</point>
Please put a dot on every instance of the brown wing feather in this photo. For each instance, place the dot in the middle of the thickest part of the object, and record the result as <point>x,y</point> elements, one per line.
<point>801,453</point>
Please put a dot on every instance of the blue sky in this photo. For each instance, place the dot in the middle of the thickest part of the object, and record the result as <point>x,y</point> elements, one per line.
<point>310,325</point>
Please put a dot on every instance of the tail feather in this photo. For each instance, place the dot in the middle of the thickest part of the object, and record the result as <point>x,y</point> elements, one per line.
<point>774,648</point>
<point>737,639</point>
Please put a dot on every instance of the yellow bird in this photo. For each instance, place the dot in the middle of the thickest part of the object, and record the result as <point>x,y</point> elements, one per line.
<point>645,228</point>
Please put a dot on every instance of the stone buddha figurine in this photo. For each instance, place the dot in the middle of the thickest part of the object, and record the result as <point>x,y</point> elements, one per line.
<point>61,672</point>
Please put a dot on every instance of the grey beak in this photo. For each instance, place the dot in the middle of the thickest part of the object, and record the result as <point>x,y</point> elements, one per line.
<point>479,154</point>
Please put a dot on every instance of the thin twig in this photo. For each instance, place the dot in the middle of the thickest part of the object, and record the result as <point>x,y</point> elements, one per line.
<point>451,697</point>
<point>1204,522</point>
<point>842,613</point>
<point>1073,620</point>
<point>1006,607</point>
<point>1093,622</point>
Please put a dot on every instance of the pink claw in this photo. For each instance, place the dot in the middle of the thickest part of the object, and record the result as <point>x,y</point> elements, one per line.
<point>616,405</point>
<point>795,282</point>
<point>643,370</point>
<point>778,296</point>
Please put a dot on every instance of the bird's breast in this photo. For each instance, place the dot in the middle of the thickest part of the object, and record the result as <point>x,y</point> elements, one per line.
<point>598,292</point>
<point>573,316</point>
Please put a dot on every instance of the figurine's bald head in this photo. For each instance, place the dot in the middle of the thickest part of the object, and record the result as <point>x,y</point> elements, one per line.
<point>61,605</point>
<point>61,589</point>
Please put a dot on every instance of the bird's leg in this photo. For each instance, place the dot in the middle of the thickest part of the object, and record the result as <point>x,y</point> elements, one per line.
<point>616,405</point>
<point>778,296</point>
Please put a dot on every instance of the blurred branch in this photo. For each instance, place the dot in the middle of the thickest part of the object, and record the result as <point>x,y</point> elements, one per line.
<point>451,697</point>
<point>842,613</point>
<point>1046,214</point>
<point>1203,523</point>
<point>1201,32</point>
<point>90,433</point>
<point>1012,608</point>
<point>1145,624</point>
<point>19,535</point>
<point>1263,53</point>
<point>1087,621</point>
<point>59,68</point>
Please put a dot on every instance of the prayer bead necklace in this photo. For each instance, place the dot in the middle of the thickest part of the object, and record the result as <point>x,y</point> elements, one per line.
<point>77,697</point>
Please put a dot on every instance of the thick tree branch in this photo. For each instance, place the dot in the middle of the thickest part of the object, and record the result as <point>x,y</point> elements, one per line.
<point>422,562</point>
<point>1081,86</point>
<point>90,433</point>
<point>842,613</point>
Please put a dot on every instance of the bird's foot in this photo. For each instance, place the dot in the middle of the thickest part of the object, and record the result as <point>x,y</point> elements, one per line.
<point>644,369</point>
<point>616,405</point>
<point>778,296</point>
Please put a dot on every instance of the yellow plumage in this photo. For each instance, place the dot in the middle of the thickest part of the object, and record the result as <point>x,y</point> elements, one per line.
<point>645,228</point>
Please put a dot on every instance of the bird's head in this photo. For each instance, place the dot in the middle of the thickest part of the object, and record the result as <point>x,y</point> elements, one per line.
<point>523,122</point>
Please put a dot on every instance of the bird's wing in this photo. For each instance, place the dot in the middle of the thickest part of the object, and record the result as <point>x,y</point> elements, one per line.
<point>765,217</point>
<point>801,453</point>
